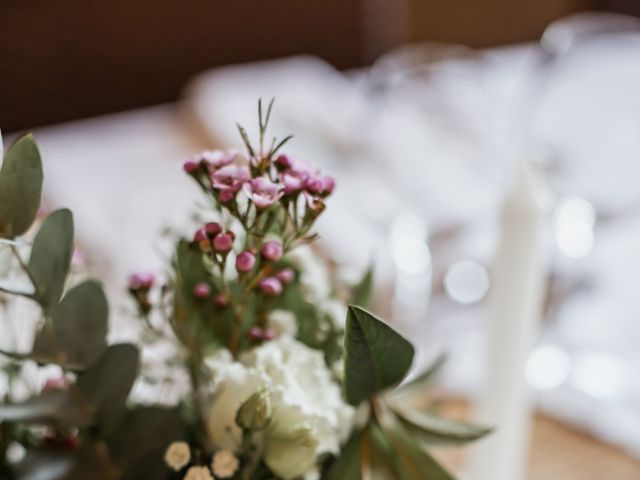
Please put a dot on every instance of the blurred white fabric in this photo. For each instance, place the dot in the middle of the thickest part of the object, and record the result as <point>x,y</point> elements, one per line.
<point>441,143</point>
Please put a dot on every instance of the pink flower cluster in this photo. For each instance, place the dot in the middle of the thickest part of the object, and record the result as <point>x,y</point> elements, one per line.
<point>229,172</point>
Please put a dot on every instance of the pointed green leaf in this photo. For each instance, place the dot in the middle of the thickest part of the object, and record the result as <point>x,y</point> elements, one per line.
<point>51,256</point>
<point>435,431</point>
<point>424,379</point>
<point>376,356</point>
<point>415,462</point>
<point>382,459</point>
<point>106,385</point>
<point>77,335</point>
<point>20,187</point>
<point>349,464</point>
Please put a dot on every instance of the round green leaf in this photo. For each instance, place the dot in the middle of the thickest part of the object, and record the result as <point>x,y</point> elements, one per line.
<point>51,256</point>
<point>77,334</point>
<point>20,187</point>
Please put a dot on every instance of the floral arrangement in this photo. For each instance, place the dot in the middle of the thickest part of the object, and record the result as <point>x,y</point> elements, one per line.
<point>288,377</point>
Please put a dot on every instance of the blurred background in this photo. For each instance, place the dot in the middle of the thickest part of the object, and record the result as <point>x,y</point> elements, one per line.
<point>487,155</point>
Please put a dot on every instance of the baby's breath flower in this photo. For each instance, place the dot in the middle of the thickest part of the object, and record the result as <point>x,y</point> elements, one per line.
<point>224,464</point>
<point>177,455</point>
<point>198,473</point>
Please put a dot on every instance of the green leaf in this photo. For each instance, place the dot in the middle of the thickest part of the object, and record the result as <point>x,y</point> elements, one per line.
<point>51,256</point>
<point>376,356</point>
<point>63,407</point>
<point>20,187</point>
<point>381,459</point>
<point>139,443</point>
<point>411,459</point>
<point>77,334</point>
<point>349,464</point>
<point>423,379</point>
<point>362,292</point>
<point>106,385</point>
<point>435,431</point>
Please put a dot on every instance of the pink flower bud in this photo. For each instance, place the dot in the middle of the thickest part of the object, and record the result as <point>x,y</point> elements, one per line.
<point>328,185</point>
<point>270,286</point>
<point>226,196</point>
<point>286,275</point>
<point>212,229</point>
<point>190,166</point>
<point>314,184</point>
<point>52,384</point>
<point>268,335</point>
<point>223,242</point>
<point>141,281</point>
<point>292,181</point>
<point>255,333</point>
<point>272,250</point>
<point>220,300</point>
<point>282,161</point>
<point>217,158</point>
<point>245,261</point>
<point>200,235</point>
<point>201,290</point>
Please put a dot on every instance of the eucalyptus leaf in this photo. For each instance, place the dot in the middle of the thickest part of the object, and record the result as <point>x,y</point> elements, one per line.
<point>20,187</point>
<point>411,458</point>
<point>138,444</point>
<point>376,356</point>
<point>436,431</point>
<point>51,256</point>
<point>106,385</point>
<point>62,407</point>
<point>76,335</point>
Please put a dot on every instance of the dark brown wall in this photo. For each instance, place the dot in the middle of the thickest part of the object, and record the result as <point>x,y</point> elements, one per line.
<point>65,59</point>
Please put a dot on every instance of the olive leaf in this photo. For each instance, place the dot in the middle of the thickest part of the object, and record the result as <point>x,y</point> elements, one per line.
<point>20,187</point>
<point>76,334</point>
<point>376,356</point>
<point>51,256</point>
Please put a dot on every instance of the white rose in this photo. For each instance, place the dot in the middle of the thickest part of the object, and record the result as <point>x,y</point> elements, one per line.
<point>178,455</point>
<point>282,322</point>
<point>290,452</point>
<point>235,383</point>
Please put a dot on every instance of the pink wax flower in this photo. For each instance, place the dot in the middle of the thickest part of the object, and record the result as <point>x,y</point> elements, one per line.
<point>292,181</point>
<point>245,261</point>
<point>230,177</point>
<point>201,290</point>
<point>272,250</point>
<point>223,242</point>
<point>270,286</point>
<point>262,192</point>
<point>218,158</point>
<point>212,229</point>
<point>286,275</point>
<point>141,281</point>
